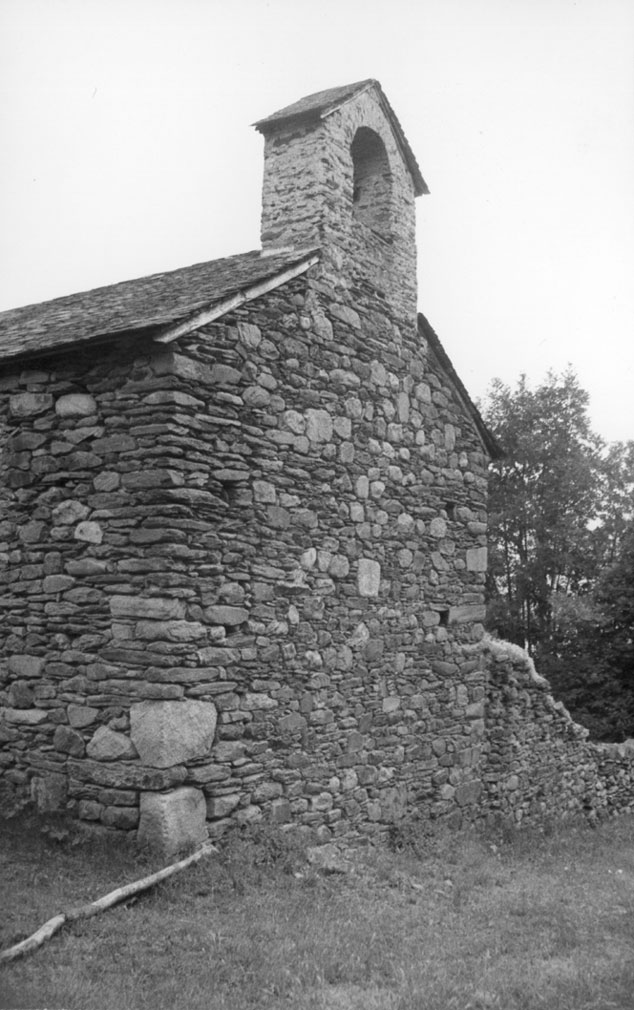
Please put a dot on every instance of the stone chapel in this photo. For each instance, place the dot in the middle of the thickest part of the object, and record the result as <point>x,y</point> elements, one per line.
<point>243,525</point>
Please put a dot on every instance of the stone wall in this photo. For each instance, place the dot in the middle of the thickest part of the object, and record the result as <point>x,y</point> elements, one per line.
<point>278,520</point>
<point>538,762</point>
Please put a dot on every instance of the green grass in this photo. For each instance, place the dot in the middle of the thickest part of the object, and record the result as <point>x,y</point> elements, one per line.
<point>522,921</point>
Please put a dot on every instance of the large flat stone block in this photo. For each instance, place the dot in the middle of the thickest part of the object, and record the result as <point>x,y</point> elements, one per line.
<point>172,821</point>
<point>154,608</point>
<point>28,404</point>
<point>167,733</point>
<point>368,577</point>
<point>467,612</point>
<point>477,559</point>
<point>76,405</point>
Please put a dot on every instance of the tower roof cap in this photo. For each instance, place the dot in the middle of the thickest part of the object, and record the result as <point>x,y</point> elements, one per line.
<point>316,107</point>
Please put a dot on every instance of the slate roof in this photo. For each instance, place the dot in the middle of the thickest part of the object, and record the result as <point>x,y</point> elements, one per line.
<point>160,300</point>
<point>322,103</point>
<point>490,443</point>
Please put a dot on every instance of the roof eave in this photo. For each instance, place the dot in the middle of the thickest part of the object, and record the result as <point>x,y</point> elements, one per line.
<point>491,445</point>
<point>216,310</point>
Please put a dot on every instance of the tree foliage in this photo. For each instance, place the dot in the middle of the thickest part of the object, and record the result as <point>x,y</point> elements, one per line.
<point>614,596</point>
<point>561,579</point>
<point>545,493</point>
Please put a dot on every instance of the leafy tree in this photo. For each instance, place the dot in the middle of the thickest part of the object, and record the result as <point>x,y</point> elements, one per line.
<point>545,495</point>
<point>614,595</point>
<point>591,659</point>
<point>561,579</point>
<point>617,503</point>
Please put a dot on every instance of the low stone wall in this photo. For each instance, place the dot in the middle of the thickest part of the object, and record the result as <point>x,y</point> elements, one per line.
<point>538,762</point>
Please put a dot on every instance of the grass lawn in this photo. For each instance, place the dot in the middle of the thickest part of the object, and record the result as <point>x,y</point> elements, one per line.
<point>520,921</point>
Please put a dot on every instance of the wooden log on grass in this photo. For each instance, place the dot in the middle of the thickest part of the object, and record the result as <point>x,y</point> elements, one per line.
<point>115,897</point>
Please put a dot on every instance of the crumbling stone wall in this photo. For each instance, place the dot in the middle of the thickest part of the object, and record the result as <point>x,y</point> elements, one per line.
<point>538,762</point>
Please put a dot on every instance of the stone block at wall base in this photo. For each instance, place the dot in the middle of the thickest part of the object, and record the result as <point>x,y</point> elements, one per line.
<point>172,821</point>
<point>166,733</point>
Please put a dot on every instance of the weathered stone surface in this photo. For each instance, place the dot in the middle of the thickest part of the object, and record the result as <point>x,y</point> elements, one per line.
<point>226,615</point>
<point>292,723</point>
<point>153,607</point>
<point>468,792</point>
<point>318,425</point>
<point>477,559</point>
<point>69,741</point>
<point>24,716</point>
<point>81,715</point>
<point>21,694</point>
<point>467,612</point>
<point>222,806</point>
<point>224,375</point>
<point>172,821</point>
<point>172,631</point>
<point>368,577</point>
<point>168,733</point>
<point>264,491</point>
<point>26,666</point>
<point>89,531</point>
<point>69,511</point>
<point>124,775</point>
<point>346,314</point>
<point>57,583</point>
<point>30,404</point>
<point>124,818</point>
<point>108,745</point>
<point>76,405</point>
<point>86,566</point>
<point>438,527</point>
<point>171,363</point>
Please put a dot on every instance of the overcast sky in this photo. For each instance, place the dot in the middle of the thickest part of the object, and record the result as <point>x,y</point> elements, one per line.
<point>127,150</point>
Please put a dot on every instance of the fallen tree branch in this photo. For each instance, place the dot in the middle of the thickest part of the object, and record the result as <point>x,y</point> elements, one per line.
<point>53,925</point>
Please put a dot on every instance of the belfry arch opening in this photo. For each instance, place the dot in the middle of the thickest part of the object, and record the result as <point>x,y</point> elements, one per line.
<point>372,182</point>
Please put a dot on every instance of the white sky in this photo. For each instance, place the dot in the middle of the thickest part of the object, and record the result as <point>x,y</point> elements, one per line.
<point>127,150</point>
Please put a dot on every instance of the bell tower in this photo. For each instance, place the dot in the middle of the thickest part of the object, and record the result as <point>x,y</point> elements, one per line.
<point>340,174</point>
